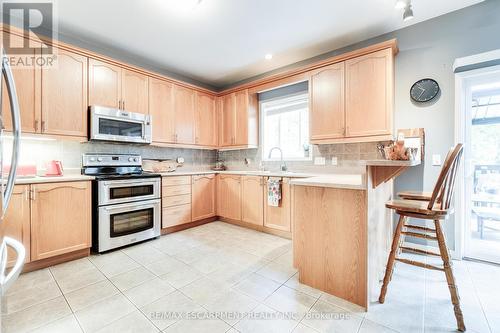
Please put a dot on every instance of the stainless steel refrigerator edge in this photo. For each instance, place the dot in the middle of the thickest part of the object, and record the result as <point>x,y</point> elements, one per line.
<point>7,277</point>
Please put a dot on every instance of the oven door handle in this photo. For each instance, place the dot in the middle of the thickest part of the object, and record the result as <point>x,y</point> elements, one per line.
<point>119,208</point>
<point>110,183</point>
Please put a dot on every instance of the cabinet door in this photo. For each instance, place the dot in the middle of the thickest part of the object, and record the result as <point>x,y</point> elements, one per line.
<point>203,197</point>
<point>369,94</point>
<point>241,117</point>
<point>227,114</point>
<point>161,109</point>
<point>229,197</point>
<point>279,217</point>
<point>17,221</point>
<point>206,120</point>
<point>134,92</point>
<point>184,114</point>
<point>61,218</point>
<point>27,80</point>
<point>64,96</point>
<point>252,199</point>
<point>327,112</point>
<point>105,84</point>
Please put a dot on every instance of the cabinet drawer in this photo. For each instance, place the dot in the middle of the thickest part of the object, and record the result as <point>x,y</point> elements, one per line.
<point>177,200</point>
<point>169,191</point>
<point>179,180</point>
<point>177,215</point>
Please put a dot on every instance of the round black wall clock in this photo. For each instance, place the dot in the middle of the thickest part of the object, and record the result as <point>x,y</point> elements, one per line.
<point>424,90</point>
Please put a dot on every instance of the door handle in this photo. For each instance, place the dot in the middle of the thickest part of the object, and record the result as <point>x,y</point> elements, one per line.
<point>7,280</point>
<point>16,131</point>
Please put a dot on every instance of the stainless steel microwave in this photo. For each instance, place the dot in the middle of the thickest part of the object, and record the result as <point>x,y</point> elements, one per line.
<point>108,124</point>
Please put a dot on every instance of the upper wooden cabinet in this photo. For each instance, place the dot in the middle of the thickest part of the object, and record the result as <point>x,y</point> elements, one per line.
<point>203,197</point>
<point>116,87</point>
<point>184,109</point>
<point>327,111</point>
<point>229,196</point>
<point>105,84</point>
<point>252,199</point>
<point>27,80</point>
<point>206,120</point>
<point>65,113</point>
<point>161,108</point>
<point>353,100</point>
<point>370,94</point>
<point>239,120</point>
<point>134,92</point>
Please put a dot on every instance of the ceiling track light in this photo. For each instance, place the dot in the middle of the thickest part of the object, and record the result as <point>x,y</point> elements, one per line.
<point>401,4</point>
<point>406,6</point>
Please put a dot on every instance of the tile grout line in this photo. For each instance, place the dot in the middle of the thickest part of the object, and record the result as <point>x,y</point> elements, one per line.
<point>478,298</point>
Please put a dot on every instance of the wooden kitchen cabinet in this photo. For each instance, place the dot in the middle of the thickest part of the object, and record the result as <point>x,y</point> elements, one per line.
<point>17,221</point>
<point>229,196</point>
<point>134,92</point>
<point>239,120</point>
<point>65,113</point>
<point>203,197</point>
<point>327,113</point>
<point>161,109</point>
<point>105,84</point>
<point>369,84</point>
<point>184,99</point>
<point>28,82</point>
<point>252,199</point>
<point>60,218</point>
<point>176,201</point>
<point>279,217</point>
<point>206,120</point>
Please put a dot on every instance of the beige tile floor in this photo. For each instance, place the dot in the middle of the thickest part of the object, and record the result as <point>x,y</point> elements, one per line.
<point>223,278</point>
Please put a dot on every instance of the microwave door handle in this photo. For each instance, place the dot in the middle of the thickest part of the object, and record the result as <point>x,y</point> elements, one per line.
<point>7,280</point>
<point>16,130</point>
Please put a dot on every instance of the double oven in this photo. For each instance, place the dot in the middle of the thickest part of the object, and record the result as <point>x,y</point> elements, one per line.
<point>126,201</point>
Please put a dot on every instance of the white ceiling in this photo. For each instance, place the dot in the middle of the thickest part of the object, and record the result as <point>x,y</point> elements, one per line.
<point>224,41</point>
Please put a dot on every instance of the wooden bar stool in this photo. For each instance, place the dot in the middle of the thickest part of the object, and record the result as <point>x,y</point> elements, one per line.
<point>433,206</point>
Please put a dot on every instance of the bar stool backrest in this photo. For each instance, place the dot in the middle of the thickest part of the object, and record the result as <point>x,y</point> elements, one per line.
<point>442,194</point>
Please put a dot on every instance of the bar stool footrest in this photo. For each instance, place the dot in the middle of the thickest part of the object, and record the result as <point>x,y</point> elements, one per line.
<point>419,264</point>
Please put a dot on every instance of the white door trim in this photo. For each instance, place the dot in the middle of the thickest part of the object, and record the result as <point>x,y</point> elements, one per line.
<point>462,104</point>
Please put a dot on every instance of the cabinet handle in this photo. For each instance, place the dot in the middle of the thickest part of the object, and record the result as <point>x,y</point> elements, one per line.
<point>44,127</point>
<point>123,105</point>
<point>36,125</point>
<point>120,104</point>
<point>33,193</point>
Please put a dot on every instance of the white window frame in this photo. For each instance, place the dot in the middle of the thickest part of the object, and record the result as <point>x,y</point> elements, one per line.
<point>280,100</point>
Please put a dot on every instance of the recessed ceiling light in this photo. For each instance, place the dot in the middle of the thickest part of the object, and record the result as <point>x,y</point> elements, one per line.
<point>268,56</point>
<point>408,13</point>
<point>401,4</point>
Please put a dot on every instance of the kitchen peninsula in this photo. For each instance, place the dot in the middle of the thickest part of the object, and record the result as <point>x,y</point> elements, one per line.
<point>342,230</point>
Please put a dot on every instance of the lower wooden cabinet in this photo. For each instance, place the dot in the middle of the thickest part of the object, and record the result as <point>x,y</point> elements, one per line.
<point>176,201</point>
<point>203,197</point>
<point>279,217</point>
<point>176,215</point>
<point>252,199</point>
<point>17,221</point>
<point>229,197</point>
<point>60,218</point>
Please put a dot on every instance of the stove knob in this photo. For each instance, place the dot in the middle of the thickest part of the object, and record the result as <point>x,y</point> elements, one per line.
<point>92,159</point>
<point>99,159</point>
<point>136,159</point>
<point>130,159</point>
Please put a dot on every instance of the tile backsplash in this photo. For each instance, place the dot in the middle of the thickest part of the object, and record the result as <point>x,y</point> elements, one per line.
<point>39,152</point>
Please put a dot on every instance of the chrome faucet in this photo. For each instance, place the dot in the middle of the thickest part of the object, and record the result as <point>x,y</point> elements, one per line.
<point>282,165</point>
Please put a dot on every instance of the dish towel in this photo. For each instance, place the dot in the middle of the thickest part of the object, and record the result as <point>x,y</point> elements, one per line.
<point>274,192</point>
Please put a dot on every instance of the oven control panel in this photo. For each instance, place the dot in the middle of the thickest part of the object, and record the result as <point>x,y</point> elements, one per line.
<point>111,160</point>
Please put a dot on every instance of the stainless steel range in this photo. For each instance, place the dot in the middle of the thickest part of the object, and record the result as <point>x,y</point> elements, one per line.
<point>126,201</point>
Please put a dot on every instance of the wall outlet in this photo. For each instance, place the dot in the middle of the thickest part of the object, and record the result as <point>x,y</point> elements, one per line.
<point>334,160</point>
<point>319,161</point>
<point>436,159</point>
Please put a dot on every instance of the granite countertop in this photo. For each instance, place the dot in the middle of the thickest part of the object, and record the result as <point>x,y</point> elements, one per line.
<point>353,182</point>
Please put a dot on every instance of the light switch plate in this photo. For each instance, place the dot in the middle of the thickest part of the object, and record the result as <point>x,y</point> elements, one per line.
<point>436,159</point>
<point>334,160</point>
<point>319,161</point>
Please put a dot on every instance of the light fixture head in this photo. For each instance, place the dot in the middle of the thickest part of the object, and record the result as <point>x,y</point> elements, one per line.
<point>268,56</point>
<point>408,13</point>
<point>401,4</point>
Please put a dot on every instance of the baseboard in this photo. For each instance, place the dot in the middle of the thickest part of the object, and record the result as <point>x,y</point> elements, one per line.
<point>189,225</point>
<point>44,263</point>
<point>261,228</point>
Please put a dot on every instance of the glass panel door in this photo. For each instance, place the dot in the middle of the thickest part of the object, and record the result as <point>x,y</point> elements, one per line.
<point>131,222</point>
<point>482,169</point>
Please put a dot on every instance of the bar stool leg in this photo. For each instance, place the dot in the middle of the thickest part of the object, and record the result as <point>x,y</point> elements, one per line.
<point>392,256</point>
<point>450,278</point>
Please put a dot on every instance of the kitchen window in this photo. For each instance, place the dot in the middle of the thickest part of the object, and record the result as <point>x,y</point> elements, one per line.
<point>285,124</point>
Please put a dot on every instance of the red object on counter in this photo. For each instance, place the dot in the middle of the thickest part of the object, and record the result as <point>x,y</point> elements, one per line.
<point>22,170</point>
<point>54,168</point>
